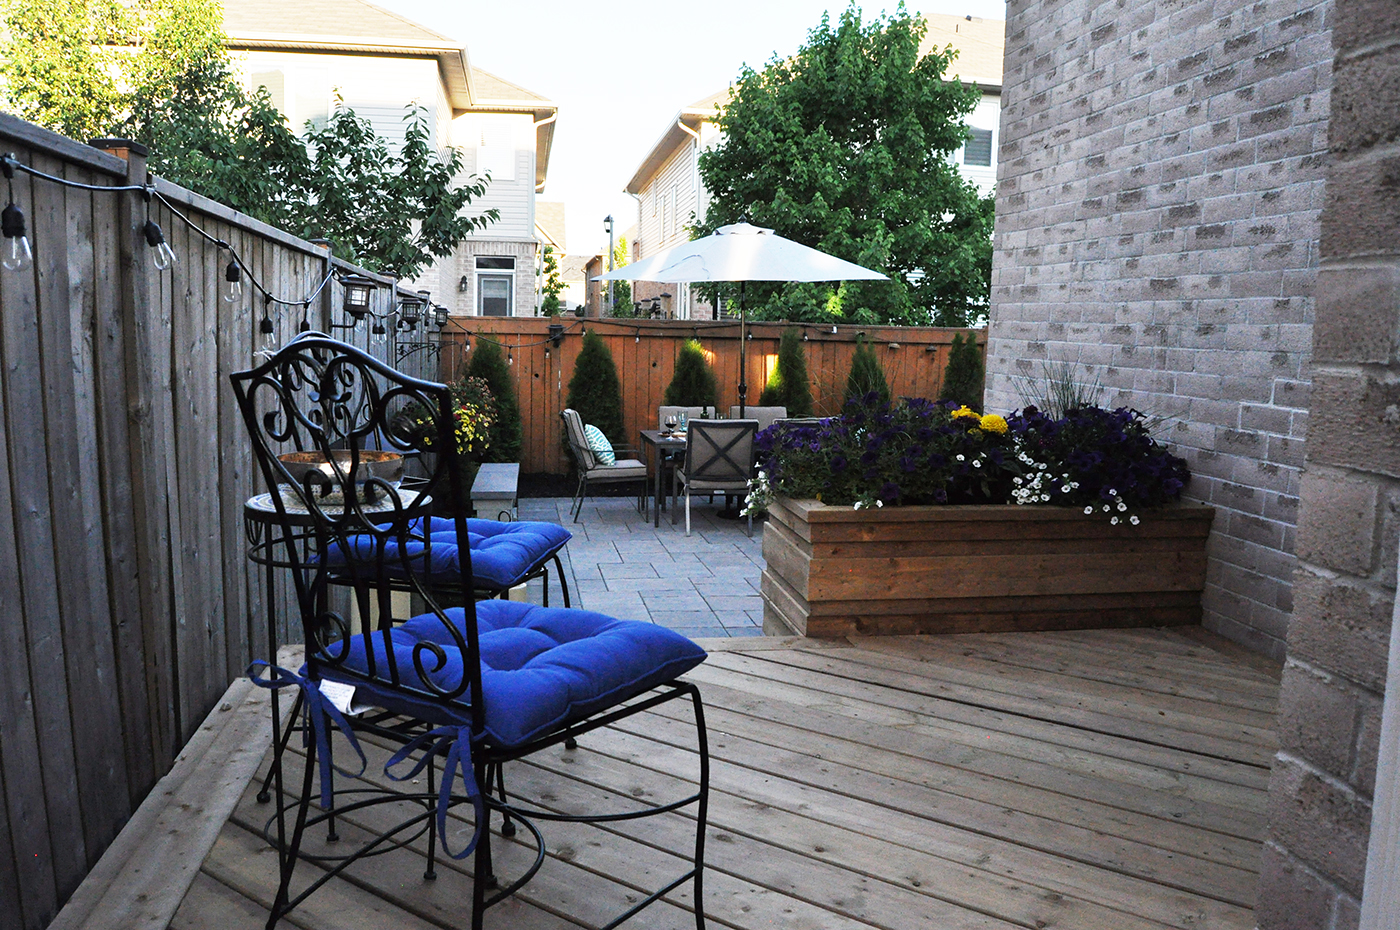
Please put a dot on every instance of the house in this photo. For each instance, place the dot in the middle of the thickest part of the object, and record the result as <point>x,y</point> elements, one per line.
<point>671,197</point>
<point>316,53</point>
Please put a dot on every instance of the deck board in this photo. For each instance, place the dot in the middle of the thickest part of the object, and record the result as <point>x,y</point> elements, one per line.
<point>963,782</point>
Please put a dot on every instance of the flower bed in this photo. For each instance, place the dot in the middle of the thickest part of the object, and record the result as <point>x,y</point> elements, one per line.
<point>922,518</point>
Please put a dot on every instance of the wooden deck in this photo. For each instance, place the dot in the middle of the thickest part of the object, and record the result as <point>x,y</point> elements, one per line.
<point>1100,780</point>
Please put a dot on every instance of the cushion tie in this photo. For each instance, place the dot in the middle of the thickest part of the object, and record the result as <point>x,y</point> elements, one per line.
<point>317,709</point>
<point>457,740</point>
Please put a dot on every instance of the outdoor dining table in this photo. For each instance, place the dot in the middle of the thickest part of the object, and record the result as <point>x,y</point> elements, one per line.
<point>660,447</point>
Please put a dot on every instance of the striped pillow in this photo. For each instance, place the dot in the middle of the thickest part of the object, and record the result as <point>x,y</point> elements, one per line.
<point>598,444</point>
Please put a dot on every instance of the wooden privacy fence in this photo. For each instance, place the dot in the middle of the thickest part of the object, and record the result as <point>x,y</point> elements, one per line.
<point>645,353</point>
<point>126,604</point>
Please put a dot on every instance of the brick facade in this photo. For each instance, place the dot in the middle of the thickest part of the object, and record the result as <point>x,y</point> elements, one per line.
<point>1162,171</point>
<point>1198,202</point>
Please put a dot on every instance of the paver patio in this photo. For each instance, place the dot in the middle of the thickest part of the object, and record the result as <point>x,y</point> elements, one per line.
<point>704,585</point>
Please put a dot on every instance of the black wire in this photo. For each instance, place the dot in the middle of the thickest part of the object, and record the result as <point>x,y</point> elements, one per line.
<point>10,159</point>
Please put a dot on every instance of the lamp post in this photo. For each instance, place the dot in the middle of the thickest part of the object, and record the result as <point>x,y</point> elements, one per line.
<point>608,225</point>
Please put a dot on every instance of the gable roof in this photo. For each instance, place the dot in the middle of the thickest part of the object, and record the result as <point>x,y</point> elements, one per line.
<point>346,26</point>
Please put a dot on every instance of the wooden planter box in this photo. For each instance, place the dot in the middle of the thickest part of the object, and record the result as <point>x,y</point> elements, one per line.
<point>834,571</point>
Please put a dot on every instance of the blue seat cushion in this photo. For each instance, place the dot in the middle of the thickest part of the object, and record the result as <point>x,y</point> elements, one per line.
<point>541,667</point>
<point>503,554</point>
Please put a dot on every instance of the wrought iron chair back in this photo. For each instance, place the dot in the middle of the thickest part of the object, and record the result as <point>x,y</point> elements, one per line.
<point>352,536</point>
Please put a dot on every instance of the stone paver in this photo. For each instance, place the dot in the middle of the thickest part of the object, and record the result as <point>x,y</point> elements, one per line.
<point>619,564</point>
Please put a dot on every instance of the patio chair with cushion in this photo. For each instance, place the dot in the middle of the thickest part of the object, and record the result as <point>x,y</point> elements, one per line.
<point>593,465</point>
<point>764,415</point>
<point>718,457</point>
<point>460,691</point>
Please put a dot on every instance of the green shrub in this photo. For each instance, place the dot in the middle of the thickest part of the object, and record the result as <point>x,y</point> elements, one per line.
<point>962,378</point>
<point>787,385</point>
<point>489,365</point>
<point>594,390</point>
<point>866,374</point>
<point>694,383</point>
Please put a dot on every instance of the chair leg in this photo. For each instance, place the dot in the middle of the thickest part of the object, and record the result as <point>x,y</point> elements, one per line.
<point>702,809</point>
<point>563,581</point>
<point>687,511</point>
<point>287,856</point>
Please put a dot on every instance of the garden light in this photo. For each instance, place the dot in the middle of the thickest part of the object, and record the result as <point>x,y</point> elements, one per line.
<point>163,256</point>
<point>358,291</point>
<point>18,255</point>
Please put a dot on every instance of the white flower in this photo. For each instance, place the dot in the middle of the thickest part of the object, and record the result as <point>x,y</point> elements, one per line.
<point>1089,509</point>
<point>1122,506</point>
<point>1114,521</point>
<point>976,463</point>
<point>879,503</point>
<point>1134,520</point>
<point>960,458</point>
<point>1105,508</point>
<point>1112,493</point>
<point>1045,497</point>
<point>1064,489</point>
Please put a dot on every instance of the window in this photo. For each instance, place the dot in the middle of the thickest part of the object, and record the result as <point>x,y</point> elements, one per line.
<point>978,150</point>
<point>495,284</point>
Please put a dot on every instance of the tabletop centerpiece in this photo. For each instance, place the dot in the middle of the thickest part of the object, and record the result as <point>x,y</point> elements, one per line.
<point>923,517</point>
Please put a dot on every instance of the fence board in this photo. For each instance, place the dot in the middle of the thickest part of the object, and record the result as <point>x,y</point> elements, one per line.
<point>126,603</point>
<point>644,352</point>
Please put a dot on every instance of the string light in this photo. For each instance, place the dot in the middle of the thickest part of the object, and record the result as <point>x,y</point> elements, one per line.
<point>265,327</point>
<point>163,255</point>
<point>18,255</point>
<point>233,282</point>
<point>305,326</point>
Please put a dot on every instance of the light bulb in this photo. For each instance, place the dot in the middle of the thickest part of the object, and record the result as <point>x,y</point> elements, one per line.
<point>18,256</point>
<point>163,256</point>
<point>268,343</point>
<point>233,283</point>
<point>510,359</point>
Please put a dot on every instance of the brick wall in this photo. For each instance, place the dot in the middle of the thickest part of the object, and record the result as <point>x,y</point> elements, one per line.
<point>1334,680</point>
<point>1161,178</point>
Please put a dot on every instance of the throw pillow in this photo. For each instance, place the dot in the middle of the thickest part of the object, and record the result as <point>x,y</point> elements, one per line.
<point>598,443</point>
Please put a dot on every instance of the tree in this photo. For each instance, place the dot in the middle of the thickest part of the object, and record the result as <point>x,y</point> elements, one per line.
<point>844,147</point>
<point>866,374</point>
<point>158,71</point>
<point>787,386</point>
<point>490,366</point>
<point>594,390</point>
<point>693,384</point>
<point>553,283</point>
<point>622,290</point>
<point>963,376</point>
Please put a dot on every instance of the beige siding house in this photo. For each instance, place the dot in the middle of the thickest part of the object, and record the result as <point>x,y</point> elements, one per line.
<point>671,197</point>
<point>312,53</point>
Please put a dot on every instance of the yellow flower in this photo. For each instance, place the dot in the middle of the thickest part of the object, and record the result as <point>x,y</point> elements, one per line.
<point>966,411</point>
<point>993,423</point>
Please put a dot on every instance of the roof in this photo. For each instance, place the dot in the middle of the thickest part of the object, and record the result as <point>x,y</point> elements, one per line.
<point>549,222</point>
<point>980,44</point>
<point>685,124</point>
<point>358,27</point>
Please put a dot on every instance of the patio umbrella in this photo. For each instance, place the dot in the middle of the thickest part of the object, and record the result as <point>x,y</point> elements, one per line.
<point>741,253</point>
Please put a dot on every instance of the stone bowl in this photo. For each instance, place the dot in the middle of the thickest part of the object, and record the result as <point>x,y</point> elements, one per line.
<point>305,467</point>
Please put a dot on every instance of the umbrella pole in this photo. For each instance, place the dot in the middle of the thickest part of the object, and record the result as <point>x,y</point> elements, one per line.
<point>743,343</point>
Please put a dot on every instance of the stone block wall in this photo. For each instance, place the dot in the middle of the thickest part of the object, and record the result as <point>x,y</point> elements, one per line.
<point>1325,774</point>
<point>1161,178</point>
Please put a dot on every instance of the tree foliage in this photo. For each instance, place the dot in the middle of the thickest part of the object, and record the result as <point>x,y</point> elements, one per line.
<point>594,390</point>
<point>964,373</point>
<point>158,72</point>
<point>844,147</point>
<point>621,290</point>
<point>693,384</point>
<point>553,284</point>
<point>490,365</point>
<point>867,375</point>
<point>788,386</point>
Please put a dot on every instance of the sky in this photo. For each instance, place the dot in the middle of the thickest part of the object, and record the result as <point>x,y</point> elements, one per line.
<point>619,72</point>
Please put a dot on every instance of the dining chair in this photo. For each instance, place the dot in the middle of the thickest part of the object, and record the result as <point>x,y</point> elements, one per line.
<point>459,690</point>
<point>764,415</point>
<point>593,471</point>
<point>718,457</point>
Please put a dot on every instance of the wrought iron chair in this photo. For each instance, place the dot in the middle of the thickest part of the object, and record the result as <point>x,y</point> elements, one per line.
<point>465,688</point>
<point>592,471</point>
<point>718,457</point>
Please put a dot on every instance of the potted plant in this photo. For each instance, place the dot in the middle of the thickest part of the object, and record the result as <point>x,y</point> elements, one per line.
<point>472,420</point>
<point>926,517</point>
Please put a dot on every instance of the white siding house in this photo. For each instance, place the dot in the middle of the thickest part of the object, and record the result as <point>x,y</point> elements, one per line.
<point>313,52</point>
<point>671,197</point>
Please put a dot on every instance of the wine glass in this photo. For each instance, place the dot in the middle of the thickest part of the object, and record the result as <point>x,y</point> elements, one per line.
<point>671,422</point>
